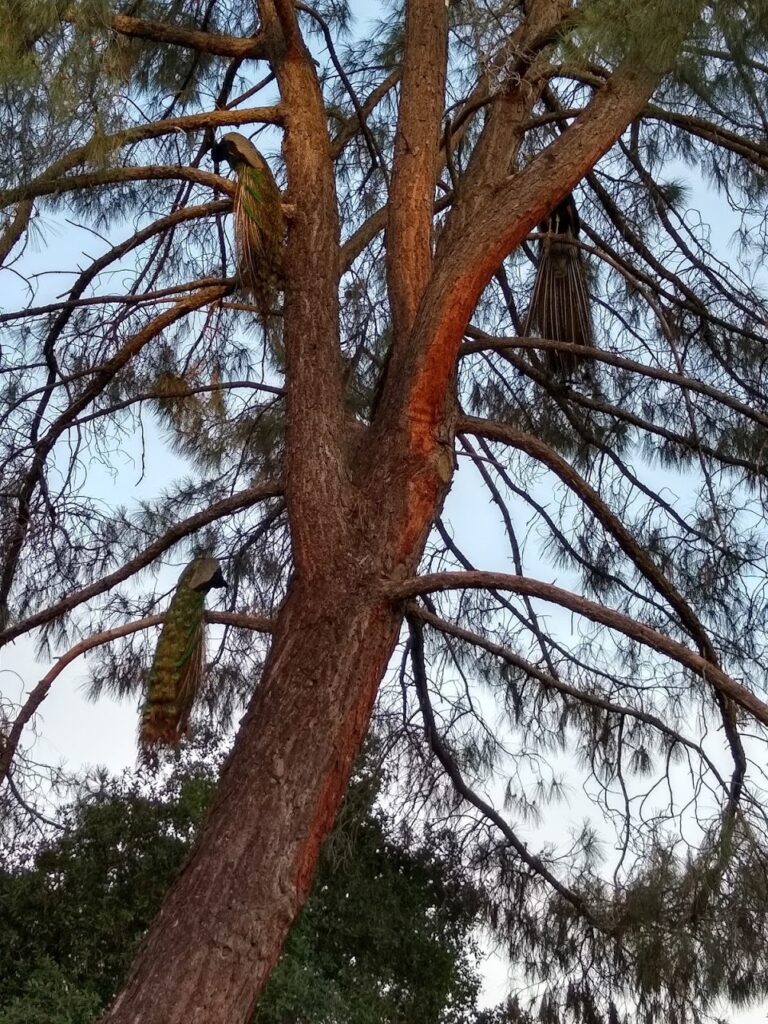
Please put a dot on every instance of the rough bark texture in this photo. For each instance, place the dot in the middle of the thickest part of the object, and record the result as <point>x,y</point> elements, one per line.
<point>361,503</point>
<point>222,927</point>
<point>409,232</point>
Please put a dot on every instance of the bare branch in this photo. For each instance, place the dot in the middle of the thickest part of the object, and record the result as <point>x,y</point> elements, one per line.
<point>556,683</point>
<point>535,863</point>
<point>11,740</point>
<point>486,342</point>
<point>536,448</point>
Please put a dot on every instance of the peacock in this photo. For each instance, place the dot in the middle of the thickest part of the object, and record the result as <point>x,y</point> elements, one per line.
<point>560,307</point>
<point>259,222</point>
<point>177,668</point>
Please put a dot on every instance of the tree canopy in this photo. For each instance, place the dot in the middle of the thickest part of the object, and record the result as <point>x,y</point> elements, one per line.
<point>548,588</point>
<point>385,936</point>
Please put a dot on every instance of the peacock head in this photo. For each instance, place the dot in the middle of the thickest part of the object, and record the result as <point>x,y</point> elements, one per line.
<point>205,574</point>
<point>237,151</point>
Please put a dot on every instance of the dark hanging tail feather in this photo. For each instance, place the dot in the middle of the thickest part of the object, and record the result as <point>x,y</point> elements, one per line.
<point>560,308</point>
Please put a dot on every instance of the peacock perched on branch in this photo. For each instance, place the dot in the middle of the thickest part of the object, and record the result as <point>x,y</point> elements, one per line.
<point>560,307</point>
<point>259,222</point>
<point>177,669</point>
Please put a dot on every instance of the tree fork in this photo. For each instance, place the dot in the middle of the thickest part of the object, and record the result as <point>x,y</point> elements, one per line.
<point>210,950</point>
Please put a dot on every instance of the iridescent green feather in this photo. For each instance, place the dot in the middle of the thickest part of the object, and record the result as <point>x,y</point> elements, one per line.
<point>176,673</point>
<point>259,232</point>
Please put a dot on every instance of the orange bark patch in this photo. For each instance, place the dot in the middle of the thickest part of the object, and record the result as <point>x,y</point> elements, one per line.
<point>351,734</point>
<point>428,406</point>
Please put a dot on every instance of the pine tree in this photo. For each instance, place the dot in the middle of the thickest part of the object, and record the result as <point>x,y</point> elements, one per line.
<point>586,712</point>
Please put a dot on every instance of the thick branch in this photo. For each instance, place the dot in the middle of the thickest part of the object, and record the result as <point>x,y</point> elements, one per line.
<point>414,172</point>
<point>111,176</point>
<point>15,229</point>
<point>194,39</point>
<point>599,613</point>
<point>317,421</point>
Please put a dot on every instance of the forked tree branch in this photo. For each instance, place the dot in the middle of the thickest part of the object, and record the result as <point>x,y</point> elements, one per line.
<point>492,157</point>
<point>482,231</point>
<point>610,522</point>
<point>552,682</point>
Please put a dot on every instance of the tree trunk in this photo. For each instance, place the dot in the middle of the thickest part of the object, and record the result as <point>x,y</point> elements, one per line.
<point>361,500</point>
<point>222,926</point>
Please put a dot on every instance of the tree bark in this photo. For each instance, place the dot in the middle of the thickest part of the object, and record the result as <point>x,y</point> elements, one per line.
<point>361,503</point>
<point>221,928</point>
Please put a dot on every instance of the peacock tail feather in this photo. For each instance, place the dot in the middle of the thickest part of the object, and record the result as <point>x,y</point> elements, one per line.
<point>177,669</point>
<point>560,305</point>
<point>259,232</point>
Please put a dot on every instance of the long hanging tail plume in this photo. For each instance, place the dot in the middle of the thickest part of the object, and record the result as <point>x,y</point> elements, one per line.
<point>177,668</point>
<point>560,306</point>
